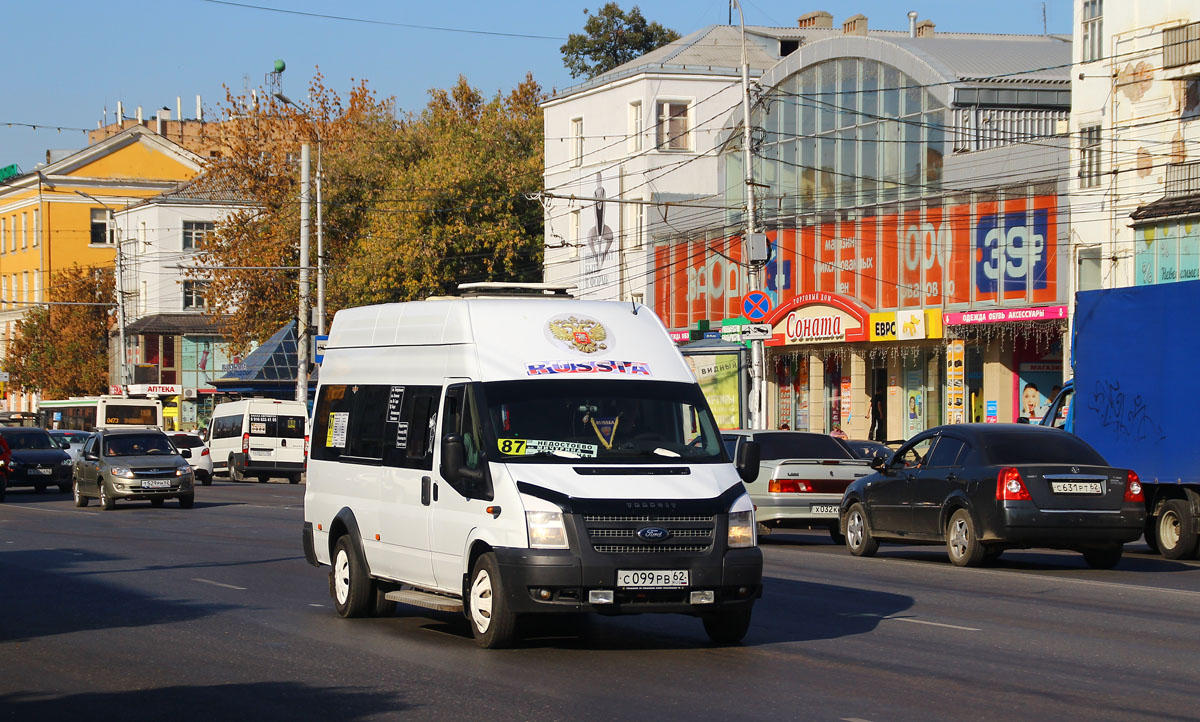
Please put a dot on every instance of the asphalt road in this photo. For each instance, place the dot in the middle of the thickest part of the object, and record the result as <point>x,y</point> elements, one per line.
<point>212,614</point>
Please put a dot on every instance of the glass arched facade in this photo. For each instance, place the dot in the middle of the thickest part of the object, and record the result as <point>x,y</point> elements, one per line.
<point>843,133</point>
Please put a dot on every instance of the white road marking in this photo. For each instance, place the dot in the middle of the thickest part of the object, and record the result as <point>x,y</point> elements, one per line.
<point>912,620</point>
<point>218,584</point>
<point>855,719</point>
<point>37,508</point>
<point>316,605</point>
<point>932,624</point>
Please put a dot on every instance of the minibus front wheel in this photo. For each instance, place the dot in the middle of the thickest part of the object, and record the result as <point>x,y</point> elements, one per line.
<point>493,621</point>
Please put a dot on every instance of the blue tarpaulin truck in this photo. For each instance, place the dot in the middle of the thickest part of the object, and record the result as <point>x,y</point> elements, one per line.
<point>1136,360</point>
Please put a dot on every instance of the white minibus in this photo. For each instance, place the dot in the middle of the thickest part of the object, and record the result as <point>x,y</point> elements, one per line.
<point>521,456</point>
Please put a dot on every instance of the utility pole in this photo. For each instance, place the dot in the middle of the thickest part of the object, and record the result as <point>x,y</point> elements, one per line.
<point>119,282</point>
<point>305,309</point>
<point>751,240</point>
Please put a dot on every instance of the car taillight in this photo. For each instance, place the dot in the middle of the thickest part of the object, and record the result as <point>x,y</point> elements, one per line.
<point>245,443</point>
<point>1133,487</point>
<point>306,444</point>
<point>204,451</point>
<point>1010,486</point>
<point>788,486</point>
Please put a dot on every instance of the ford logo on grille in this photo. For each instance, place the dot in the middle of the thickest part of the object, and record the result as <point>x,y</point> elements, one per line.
<point>653,533</point>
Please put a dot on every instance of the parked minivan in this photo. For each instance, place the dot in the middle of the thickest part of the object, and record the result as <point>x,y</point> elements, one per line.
<point>259,438</point>
<point>538,455</point>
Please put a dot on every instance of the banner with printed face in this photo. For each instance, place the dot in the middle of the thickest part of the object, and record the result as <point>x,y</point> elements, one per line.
<point>981,252</point>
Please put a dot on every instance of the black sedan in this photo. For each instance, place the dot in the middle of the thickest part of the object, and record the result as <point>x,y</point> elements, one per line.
<point>983,488</point>
<point>37,459</point>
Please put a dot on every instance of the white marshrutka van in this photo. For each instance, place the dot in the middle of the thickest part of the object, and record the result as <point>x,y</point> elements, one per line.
<point>512,456</point>
<point>259,438</point>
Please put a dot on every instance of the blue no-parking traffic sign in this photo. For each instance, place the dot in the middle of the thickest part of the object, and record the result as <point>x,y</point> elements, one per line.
<point>756,305</point>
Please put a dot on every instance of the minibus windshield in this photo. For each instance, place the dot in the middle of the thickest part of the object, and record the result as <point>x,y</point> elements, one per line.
<point>610,420</point>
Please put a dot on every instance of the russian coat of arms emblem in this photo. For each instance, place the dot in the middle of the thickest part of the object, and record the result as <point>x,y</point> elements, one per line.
<point>579,333</point>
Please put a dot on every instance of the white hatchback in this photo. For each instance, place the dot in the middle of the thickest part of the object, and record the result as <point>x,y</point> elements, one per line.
<point>193,448</point>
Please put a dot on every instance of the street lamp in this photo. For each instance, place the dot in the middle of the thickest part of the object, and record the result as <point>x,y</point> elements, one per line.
<point>122,367</point>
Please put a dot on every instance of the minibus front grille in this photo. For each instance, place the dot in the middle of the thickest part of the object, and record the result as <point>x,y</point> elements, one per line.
<point>618,533</point>
<point>645,519</point>
<point>652,548</point>
<point>632,533</point>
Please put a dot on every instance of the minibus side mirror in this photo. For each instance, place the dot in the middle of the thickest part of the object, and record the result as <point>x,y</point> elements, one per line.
<point>454,469</point>
<point>748,457</point>
<point>453,454</point>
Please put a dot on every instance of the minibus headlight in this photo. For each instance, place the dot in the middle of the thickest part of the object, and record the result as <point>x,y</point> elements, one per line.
<point>546,530</point>
<point>741,529</point>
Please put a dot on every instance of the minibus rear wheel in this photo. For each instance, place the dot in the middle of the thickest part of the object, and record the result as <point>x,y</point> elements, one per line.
<point>493,622</point>
<point>351,587</point>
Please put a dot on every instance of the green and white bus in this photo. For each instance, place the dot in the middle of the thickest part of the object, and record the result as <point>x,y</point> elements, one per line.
<point>88,413</point>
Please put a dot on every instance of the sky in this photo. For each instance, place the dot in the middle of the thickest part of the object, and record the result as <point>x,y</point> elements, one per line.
<point>72,59</point>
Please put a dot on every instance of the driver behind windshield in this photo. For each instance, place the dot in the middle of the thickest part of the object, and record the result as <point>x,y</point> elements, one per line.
<point>137,446</point>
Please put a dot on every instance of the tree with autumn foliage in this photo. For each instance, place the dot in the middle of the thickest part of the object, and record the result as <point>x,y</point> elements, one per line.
<point>61,350</point>
<point>456,209</point>
<point>412,206</point>
<point>259,165</point>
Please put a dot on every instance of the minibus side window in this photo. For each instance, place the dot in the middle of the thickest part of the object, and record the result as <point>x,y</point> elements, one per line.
<point>408,439</point>
<point>349,423</point>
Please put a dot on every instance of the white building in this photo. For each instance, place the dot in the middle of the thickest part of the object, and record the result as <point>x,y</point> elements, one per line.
<point>1135,106</point>
<point>647,134</point>
<point>171,337</point>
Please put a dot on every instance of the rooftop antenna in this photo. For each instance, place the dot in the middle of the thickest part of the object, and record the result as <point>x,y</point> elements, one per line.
<point>1044,31</point>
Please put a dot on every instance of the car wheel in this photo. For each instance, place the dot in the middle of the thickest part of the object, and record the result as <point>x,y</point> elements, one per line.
<point>106,501</point>
<point>205,478</point>
<point>991,555</point>
<point>263,479</point>
<point>1103,557</point>
<point>351,587</point>
<point>187,501</point>
<point>962,540</point>
<point>157,501</point>
<point>64,488</point>
<point>1177,530</point>
<point>492,622</point>
<point>858,535</point>
<point>835,533</point>
<point>294,479</point>
<point>728,627</point>
<point>1150,535</point>
<point>3,488</point>
<point>40,488</point>
<point>80,499</point>
<point>234,474</point>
